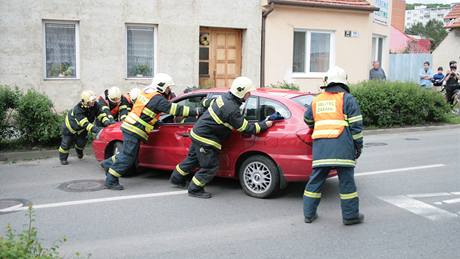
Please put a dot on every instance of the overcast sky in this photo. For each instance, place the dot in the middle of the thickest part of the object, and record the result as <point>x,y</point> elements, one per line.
<point>432,1</point>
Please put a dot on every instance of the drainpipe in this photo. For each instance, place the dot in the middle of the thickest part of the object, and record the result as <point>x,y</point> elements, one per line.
<point>265,13</point>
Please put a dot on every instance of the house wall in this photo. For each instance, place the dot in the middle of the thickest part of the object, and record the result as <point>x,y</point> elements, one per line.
<point>352,54</point>
<point>102,33</point>
<point>448,50</point>
<point>384,30</point>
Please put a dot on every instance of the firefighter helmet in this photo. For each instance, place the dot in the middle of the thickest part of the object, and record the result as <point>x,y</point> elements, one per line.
<point>114,94</point>
<point>335,75</point>
<point>241,85</point>
<point>161,81</point>
<point>134,93</point>
<point>87,97</point>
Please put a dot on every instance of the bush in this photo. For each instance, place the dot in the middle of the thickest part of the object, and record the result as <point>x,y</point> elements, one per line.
<point>36,119</point>
<point>26,244</point>
<point>284,85</point>
<point>387,104</point>
<point>9,99</point>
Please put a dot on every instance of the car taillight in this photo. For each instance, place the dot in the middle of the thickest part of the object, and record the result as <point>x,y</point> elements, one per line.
<point>305,136</point>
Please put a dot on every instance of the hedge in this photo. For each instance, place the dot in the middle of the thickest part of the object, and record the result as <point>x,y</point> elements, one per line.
<point>28,118</point>
<point>388,104</point>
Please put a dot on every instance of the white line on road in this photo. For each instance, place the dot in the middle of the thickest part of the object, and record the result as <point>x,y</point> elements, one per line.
<point>419,208</point>
<point>400,170</point>
<point>79,202</point>
<point>451,201</point>
<point>428,195</point>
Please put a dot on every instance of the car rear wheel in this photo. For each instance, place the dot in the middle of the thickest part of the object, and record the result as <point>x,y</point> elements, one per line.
<point>259,176</point>
<point>116,148</point>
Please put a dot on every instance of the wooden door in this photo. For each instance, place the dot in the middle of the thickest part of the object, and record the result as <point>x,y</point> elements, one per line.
<point>220,57</point>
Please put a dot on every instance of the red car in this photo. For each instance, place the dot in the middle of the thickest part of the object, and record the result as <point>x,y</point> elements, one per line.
<point>264,163</point>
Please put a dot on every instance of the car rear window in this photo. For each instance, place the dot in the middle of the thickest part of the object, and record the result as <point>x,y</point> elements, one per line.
<point>304,100</point>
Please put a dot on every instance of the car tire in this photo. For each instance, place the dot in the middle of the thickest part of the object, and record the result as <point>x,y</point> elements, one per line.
<point>259,176</point>
<point>115,149</point>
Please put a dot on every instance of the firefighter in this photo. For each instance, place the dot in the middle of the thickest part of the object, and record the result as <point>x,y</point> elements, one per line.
<point>138,125</point>
<point>110,103</point>
<point>78,122</point>
<point>212,128</point>
<point>337,125</point>
<point>127,102</point>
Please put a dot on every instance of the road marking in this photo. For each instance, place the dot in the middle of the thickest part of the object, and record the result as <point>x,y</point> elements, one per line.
<point>419,208</point>
<point>12,208</point>
<point>428,195</point>
<point>400,170</point>
<point>90,201</point>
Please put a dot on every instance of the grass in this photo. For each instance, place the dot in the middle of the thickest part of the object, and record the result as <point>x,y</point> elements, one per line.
<point>452,119</point>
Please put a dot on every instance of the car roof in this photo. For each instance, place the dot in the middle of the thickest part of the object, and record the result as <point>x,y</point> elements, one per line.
<point>259,92</point>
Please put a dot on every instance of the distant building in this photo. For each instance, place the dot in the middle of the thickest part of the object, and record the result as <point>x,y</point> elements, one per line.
<point>449,48</point>
<point>423,14</point>
<point>403,43</point>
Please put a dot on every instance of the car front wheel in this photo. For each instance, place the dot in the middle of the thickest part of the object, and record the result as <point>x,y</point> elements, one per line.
<point>259,176</point>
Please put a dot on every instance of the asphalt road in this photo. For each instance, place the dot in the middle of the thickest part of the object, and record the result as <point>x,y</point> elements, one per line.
<point>409,186</point>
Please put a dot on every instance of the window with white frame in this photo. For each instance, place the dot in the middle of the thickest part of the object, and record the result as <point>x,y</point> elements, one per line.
<point>61,49</point>
<point>313,52</point>
<point>377,48</point>
<point>140,51</point>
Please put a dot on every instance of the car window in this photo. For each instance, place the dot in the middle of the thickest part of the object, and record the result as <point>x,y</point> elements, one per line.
<point>193,101</point>
<point>268,106</point>
<point>304,100</point>
<point>249,109</point>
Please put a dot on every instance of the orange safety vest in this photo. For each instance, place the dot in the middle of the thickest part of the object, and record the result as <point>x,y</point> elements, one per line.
<point>134,116</point>
<point>114,111</point>
<point>328,115</point>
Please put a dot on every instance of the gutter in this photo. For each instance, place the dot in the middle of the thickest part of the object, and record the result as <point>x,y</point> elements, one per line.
<point>324,5</point>
<point>265,13</point>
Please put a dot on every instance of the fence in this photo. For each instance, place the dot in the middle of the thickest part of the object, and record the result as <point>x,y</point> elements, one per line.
<point>406,67</point>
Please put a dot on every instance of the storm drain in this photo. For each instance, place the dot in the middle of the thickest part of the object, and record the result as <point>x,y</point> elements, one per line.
<point>82,186</point>
<point>411,139</point>
<point>12,205</point>
<point>375,144</point>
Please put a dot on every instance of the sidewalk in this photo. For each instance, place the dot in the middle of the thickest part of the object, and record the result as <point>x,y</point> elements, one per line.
<point>49,153</point>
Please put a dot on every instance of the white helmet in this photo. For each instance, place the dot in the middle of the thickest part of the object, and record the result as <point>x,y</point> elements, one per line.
<point>335,75</point>
<point>114,93</point>
<point>161,81</point>
<point>87,96</point>
<point>134,93</point>
<point>240,86</point>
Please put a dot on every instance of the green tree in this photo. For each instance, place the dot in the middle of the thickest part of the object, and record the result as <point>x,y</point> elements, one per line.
<point>433,30</point>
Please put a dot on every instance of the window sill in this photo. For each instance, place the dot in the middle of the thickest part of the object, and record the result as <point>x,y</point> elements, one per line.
<point>138,78</point>
<point>308,75</point>
<point>61,79</point>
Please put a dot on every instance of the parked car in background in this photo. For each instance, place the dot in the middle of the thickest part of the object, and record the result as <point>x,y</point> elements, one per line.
<point>264,163</point>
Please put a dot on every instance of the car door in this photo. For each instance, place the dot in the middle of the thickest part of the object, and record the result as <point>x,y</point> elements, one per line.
<point>168,144</point>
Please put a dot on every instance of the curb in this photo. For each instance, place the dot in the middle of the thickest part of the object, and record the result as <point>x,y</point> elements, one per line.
<point>7,157</point>
<point>410,129</point>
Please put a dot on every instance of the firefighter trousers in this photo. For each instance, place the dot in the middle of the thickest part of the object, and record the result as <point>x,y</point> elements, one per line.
<point>118,164</point>
<point>69,141</point>
<point>349,200</point>
<point>199,156</point>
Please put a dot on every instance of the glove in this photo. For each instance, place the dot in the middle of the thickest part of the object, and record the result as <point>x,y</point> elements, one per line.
<point>98,133</point>
<point>358,153</point>
<point>109,122</point>
<point>199,111</point>
<point>275,117</point>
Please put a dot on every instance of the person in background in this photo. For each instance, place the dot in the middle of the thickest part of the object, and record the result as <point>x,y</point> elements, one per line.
<point>437,79</point>
<point>127,102</point>
<point>377,73</point>
<point>425,75</point>
<point>451,81</point>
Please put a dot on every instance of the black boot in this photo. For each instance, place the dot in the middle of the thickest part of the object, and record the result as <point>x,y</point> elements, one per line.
<point>311,219</point>
<point>79,153</point>
<point>199,193</point>
<point>353,221</point>
<point>63,158</point>
<point>177,180</point>
<point>112,182</point>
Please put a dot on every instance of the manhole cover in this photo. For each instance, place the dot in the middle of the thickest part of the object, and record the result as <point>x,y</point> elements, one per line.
<point>12,205</point>
<point>82,186</point>
<point>412,139</point>
<point>375,144</point>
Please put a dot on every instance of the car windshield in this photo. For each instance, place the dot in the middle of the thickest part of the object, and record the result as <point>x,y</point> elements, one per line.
<point>304,100</point>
